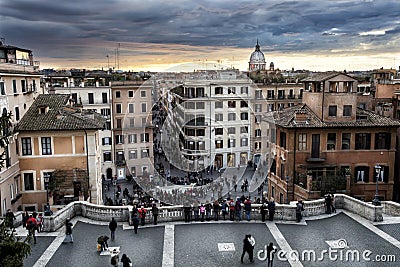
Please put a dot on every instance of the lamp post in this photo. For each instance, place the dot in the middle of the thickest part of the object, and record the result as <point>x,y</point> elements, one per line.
<point>46,177</point>
<point>376,200</point>
<point>287,189</point>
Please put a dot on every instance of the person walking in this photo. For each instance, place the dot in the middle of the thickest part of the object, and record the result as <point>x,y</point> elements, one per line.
<point>25,218</point>
<point>271,209</point>
<point>113,226</point>
<point>154,211</point>
<point>248,247</point>
<point>115,257</point>
<point>68,232</point>
<point>142,215</point>
<point>31,226</point>
<point>126,261</point>
<point>271,250</point>
<point>10,217</point>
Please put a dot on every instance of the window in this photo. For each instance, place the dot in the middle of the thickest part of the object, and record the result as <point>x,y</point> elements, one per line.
<point>131,108</point>
<point>144,137</point>
<point>17,113</point>
<point>281,106</point>
<point>106,141</point>
<point>132,138</point>
<point>15,86</point>
<point>270,94</point>
<point>244,142</point>
<point>302,142</point>
<point>258,94</point>
<point>120,156</point>
<point>361,174</point>
<point>144,107</point>
<point>119,123</point>
<point>118,108</point>
<point>282,142</point>
<point>231,142</point>
<point>281,94</point>
<point>133,171</point>
<point>382,140</point>
<point>200,132</point>
<point>144,121</point>
<point>257,118</point>
<point>231,90</point>
<point>270,107</point>
<point>117,94</point>
<point>119,139</point>
<point>28,181</point>
<point>258,107</point>
<point>107,156</point>
<point>105,112</point>
<point>199,105</point>
<point>257,145</point>
<point>219,117</point>
<point>244,90</point>
<point>219,131</point>
<point>218,90</point>
<point>231,116</point>
<point>131,122</point>
<point>347,110</point>
<point>332,111</point>
<point>244,104</point>
<point>130,93</point>
<point>219,143</point>
<point>382,175</point>
<point>244,129</point>
<point>104,98</point>
<point>257,133</point>
<point>132,154</point>
<point>346,137</point>
<point>142,93</point>
<point>91,98</point>
<point>231,130</point>
<point>219,104</point>
<point>331,142</point>
<point>107,125</point>
<point>26,146</point>
<point>244,116</point>
<point>231,104</point>
<point>46,145</point>
<point>2,88</point>
<point>23,86</point>
<point>363,141</point>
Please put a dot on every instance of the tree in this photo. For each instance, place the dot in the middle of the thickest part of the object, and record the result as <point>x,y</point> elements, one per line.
<point>13,250</point>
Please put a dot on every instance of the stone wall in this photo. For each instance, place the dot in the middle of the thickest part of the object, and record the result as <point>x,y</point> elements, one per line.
<point>391,208</point>
<point>364,209</point>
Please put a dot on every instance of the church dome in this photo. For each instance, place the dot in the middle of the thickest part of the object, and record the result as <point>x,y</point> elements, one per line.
<point>257,59</point>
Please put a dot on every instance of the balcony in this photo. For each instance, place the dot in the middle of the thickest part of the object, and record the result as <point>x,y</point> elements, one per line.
<point>291,96</point>
<point>316,157</point>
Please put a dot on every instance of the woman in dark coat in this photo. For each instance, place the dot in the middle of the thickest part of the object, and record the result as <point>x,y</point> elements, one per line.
<point>271,209</point>
<point>125,261</point>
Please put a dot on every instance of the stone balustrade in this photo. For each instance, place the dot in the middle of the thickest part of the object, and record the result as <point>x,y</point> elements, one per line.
<point>391,208</point>
<point>364,209</point>
<point>285,212</point>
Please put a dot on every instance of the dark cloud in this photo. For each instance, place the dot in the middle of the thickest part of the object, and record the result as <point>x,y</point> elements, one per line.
<point>78,28</point>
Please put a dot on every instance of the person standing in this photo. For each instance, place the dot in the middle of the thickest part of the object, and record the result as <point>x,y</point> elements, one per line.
<point>216,208</point>
<point>232,210</point>
<point>135,221</point>
<point>271,250</point>
<point>238,209</point>
<point>248,247</point>
<point>186,210</point>
<point>126,261</point>
<point>299,209</point>
<point>10,217</point>
<point>68,232</point>
<point>263,210</point>
<point>25,218</point>
<point>154,211</point>
<point>271,209</point>
<point>202,212</point>
<point>113,226</point>
<point>225,209</point>
<point>142,214</point>
<point>247,208</point>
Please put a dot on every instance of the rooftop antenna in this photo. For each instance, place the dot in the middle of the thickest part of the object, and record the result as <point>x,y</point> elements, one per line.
<point>108,61</point>
<point>119,46</point>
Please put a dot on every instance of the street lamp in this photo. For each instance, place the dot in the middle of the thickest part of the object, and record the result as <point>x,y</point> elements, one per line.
<point>287,189</point>
<point>46,178</point>
<point>376,200</point>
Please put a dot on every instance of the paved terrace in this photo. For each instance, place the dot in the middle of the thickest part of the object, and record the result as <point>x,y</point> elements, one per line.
<point>219,243</point>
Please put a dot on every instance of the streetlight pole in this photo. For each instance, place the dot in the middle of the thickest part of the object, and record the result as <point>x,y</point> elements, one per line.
<point>376,200</point>
<point>287,189</point>
<point>46,184</point>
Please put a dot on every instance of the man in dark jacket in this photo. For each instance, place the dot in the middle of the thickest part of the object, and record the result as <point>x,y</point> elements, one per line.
<point>113,226</point>
<point>248,246</point>
<point>271,209</point>
<point>155,211</point>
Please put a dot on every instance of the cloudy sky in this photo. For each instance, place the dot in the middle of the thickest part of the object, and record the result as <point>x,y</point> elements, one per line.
<point>157,35</point>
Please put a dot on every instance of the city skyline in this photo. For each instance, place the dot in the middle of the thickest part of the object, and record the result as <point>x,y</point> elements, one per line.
<point>187,35</point>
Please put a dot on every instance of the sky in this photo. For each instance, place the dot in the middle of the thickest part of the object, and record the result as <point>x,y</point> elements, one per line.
<point>166,35</point>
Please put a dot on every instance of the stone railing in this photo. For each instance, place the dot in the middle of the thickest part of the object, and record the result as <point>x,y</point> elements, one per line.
<point>286,212</point>
<point>391,208</point>
<point>364,209</point>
